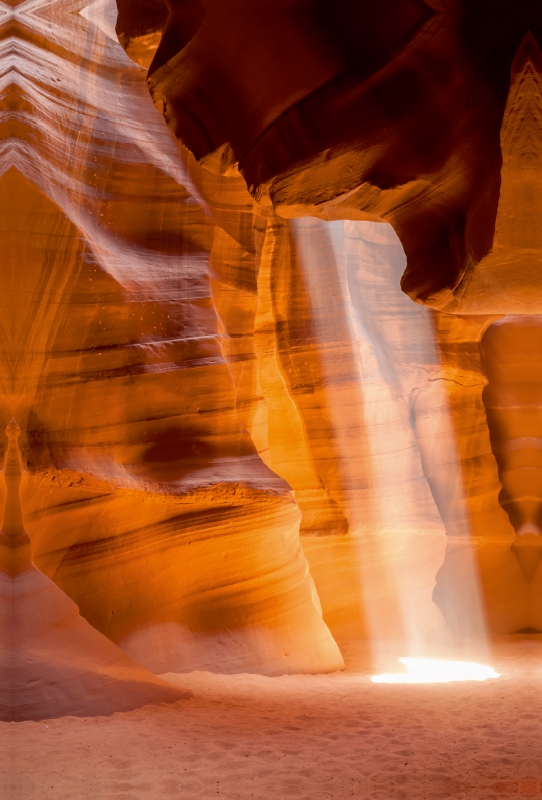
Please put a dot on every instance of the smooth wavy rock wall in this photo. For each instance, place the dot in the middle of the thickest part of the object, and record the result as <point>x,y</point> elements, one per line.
<point>146,499</point>
<point>375,411</point>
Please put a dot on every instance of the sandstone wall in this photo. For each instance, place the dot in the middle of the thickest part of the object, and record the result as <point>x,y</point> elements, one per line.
<point>130,374</point>
<point>242,438</point>
<point>374,411</point>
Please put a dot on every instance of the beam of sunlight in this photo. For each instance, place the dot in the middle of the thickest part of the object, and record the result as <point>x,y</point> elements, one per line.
<point>435,670</point>
<point>394,436</point>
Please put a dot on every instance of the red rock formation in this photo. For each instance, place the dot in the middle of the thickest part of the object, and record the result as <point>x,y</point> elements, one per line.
<point>114,357</point>
<point>366,106</point>
<point>139,28</point>
<point>402,126</point>
<point>199,370</point>
<point>510,353</point>
<point>52,662</point>
<point>510,356</point>
<point>508,279</point>
<point>340,135</point>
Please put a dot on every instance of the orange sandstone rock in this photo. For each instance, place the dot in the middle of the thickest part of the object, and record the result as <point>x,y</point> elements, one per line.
<point>131,374</point>
<point>52,662</point>
<point>507,280</point>
<point>470,249</point>
<point>182,355</point>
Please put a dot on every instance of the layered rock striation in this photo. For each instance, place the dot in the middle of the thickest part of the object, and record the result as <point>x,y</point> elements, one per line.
<point>129,372</point>
<point>242,438</point>
<point>52,662</point>
<point>342,133</point>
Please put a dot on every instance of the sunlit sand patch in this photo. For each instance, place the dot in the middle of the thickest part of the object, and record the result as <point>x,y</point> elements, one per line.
<point>435,670</point>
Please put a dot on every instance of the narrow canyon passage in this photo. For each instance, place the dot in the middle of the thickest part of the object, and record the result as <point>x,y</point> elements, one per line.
<point>140,467</point>
<point>270,382</point>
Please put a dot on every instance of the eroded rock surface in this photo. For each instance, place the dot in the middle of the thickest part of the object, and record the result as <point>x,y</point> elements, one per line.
<point>52,662</point>
<point>115,361</point>
<point>209,358</point>
<point>342,133</point>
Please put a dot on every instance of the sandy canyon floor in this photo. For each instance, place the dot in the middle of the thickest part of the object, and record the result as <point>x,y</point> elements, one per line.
<point>304,737</point>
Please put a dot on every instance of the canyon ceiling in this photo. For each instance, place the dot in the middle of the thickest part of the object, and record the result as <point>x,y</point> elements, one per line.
<point>270,329</point>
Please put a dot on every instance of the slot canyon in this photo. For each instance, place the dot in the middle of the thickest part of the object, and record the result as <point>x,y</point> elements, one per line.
<point>270,399</point>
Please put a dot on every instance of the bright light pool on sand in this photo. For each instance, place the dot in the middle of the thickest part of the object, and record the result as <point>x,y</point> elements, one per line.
<point>435,670</point>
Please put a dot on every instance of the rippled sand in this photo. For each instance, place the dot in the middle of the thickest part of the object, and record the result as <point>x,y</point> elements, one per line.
<point>304,737</point>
